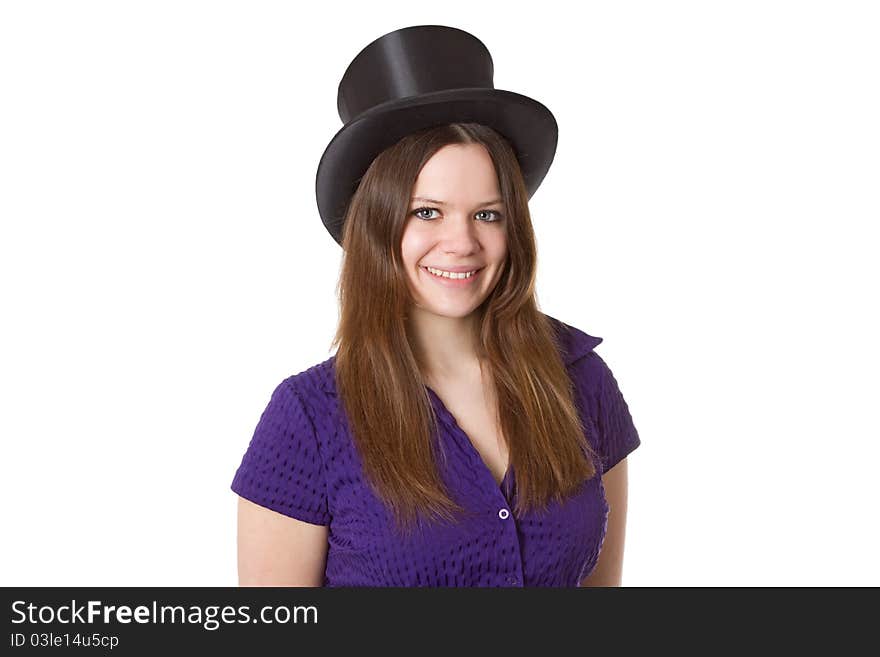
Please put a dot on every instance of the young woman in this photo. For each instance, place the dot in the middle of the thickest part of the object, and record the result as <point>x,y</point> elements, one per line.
<point>459,436</point>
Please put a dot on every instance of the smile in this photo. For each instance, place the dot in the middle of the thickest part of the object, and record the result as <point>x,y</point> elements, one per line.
<point>454,279</point>
<point>451,274</point>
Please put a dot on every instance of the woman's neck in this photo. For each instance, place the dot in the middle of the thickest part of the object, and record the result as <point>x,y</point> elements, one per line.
<point>445,347</point>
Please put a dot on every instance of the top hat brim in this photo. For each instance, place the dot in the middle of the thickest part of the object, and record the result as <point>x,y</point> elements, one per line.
<point>528,126</point>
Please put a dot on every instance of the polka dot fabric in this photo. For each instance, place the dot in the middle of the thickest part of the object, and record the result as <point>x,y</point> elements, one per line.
<point>301,462</point>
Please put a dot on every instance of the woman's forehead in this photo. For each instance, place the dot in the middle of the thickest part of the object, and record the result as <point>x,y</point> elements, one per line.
<point>458,177</point>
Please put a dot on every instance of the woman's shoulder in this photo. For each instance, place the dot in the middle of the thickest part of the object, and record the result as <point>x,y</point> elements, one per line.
<point>573,343</point>
<point>577,348</point>
<point>615,433</point>
<point>314,384</point>
<point>304,403</point>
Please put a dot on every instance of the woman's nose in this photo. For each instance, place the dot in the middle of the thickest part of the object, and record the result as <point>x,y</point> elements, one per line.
<point>458,230</point>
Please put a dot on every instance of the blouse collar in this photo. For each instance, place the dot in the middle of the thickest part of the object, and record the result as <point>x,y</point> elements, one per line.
<point>572,342</point>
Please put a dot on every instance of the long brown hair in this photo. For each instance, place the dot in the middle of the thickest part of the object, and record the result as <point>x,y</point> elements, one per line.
<point>378,377</point>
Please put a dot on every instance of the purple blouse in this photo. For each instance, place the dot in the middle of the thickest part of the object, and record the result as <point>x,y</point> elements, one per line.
<point>302,462</point>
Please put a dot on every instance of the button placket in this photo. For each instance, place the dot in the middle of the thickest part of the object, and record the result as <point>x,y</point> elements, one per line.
<point>498,493</point>
<point>505,517</point>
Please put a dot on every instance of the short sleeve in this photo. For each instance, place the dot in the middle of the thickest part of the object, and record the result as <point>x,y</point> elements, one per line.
<point>616,435</point>
<point>282,468</point>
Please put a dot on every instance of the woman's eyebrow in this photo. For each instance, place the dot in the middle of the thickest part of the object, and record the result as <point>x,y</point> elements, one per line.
<point>430,200</point>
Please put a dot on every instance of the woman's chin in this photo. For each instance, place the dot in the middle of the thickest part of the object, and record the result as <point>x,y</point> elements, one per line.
<point>451,311</point>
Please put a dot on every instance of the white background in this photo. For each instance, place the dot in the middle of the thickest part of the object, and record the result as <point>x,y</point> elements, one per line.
<point>711,213</point>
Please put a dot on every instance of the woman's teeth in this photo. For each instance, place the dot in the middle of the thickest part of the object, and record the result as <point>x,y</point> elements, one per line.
<point>447,274</point>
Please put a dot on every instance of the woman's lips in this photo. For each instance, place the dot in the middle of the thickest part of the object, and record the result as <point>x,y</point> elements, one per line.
<point>454,282</point>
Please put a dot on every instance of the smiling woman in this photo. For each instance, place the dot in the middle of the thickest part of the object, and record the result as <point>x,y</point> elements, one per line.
<point>459,436</point>
<point>455,335</point>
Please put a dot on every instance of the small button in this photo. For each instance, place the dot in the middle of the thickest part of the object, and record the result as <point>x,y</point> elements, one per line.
<point>503,513</point>
<point>512,580</point>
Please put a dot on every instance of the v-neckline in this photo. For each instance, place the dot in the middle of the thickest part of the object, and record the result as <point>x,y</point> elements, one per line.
<point>474,452</point>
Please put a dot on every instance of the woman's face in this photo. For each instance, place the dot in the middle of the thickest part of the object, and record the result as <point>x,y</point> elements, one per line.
<point>461,228</point>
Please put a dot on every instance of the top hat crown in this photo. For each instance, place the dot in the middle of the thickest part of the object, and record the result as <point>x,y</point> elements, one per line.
<point>411,62</point>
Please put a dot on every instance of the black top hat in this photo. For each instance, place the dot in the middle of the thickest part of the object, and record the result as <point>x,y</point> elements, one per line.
<point>417,77</point>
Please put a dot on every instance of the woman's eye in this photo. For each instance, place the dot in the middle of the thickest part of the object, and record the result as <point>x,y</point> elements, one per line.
<point>420,210</point>
<point>497,215</point>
